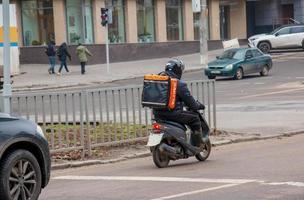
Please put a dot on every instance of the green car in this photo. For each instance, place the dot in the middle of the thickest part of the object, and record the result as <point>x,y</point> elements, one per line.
<point>239,62</point>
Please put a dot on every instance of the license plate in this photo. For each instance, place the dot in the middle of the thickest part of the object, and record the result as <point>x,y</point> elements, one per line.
<point>154,139</point>
<point>215,72</point>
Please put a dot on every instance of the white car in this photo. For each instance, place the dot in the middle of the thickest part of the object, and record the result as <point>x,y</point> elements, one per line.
<point>289,36</point>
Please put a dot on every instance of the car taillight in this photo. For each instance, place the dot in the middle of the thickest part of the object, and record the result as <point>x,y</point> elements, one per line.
<point>157,128</point>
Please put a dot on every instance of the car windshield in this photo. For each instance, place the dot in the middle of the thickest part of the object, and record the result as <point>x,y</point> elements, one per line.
<point>233,54</point>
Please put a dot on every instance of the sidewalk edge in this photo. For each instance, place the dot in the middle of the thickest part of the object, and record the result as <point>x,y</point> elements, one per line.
<point>147,153</point>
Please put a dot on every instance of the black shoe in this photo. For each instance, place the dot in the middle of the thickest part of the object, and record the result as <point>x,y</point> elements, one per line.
<point>195,150</point>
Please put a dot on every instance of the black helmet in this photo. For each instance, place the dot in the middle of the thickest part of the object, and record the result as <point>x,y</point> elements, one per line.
<point>175,67</point>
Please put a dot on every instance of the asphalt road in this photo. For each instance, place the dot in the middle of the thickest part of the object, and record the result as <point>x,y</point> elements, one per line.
<point>260,105</point>
<point>263,170</point>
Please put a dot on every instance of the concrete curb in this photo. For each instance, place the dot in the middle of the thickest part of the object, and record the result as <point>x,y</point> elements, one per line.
<point>147,153</point>
<point>79,86</point>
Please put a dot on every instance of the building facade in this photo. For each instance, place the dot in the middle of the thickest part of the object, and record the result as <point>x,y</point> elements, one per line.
<point>265,16</point>
<point>153,23</point>
<point>133,21</point>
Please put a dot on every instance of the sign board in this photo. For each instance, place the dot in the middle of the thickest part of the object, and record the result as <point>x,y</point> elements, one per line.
<point>13,39</point>
<point>196,6</point>
<point>229,44</point>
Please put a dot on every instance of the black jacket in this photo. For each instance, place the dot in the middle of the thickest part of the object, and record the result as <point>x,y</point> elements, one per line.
<point>50,50</point>
<point>63,53</point>
<point>184,98</point>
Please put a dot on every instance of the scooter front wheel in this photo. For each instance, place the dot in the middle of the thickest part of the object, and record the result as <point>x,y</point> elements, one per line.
<point>205,151</point>
<point>160,159</point>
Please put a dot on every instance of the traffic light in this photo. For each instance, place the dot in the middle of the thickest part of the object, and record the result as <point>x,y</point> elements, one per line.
<point>104,16</point>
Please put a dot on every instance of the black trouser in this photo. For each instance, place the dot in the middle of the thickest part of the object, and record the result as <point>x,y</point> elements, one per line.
<point>63,63</point>
<point>195,121</point>
<point>83,64</point>
<point>189,118</point>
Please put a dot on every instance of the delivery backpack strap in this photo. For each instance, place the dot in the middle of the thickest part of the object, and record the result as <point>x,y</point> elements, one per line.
<point>173,93</point>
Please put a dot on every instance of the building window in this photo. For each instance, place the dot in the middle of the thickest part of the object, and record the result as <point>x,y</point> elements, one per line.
<point>37,22</point>
<point>145,21</point>
<point>174,16</point>
<point>117,27</point>
<point>79,21</point>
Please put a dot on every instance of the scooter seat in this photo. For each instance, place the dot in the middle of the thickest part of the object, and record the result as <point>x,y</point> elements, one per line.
<point>182,126</point>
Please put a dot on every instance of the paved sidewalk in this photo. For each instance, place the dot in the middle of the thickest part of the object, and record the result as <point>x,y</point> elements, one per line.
<point>35,76</point>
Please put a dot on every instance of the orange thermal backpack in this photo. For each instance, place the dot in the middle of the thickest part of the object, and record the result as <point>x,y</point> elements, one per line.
<point>159,92</point>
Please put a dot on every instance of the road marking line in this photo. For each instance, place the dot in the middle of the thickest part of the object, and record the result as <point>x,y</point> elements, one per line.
<point>159,179</point>
<point>271,93</point>
<point>196,192</point>
<point>297,184</point>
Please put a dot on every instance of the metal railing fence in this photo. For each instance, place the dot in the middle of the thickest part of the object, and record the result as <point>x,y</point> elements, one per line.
<point>83,120</point>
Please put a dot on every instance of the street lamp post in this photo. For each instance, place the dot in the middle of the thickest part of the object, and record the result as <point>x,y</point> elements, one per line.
<point>203,34</point>
<point>7,88</point>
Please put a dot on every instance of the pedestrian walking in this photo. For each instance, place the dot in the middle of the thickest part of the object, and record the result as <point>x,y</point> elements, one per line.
<point>51,53</point>
<point>82,53</point>
<point>62,54</point>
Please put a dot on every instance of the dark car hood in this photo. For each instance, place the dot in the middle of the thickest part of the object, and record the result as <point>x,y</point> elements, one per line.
<point>4,116</point>
<point>222,62</point>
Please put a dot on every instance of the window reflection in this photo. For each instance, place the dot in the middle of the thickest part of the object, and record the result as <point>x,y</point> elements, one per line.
<point>174,16</point>
<point>37,22</point>
<point>145,21</point>
<point>117,27</point>
<point>79,21</point>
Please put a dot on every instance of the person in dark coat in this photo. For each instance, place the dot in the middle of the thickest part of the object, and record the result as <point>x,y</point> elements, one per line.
<point>62,55</point>
<point>51,53</point>
<point>199,128</point>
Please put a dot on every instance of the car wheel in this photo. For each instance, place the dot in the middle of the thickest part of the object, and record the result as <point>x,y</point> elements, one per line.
<point>303,44</point>
<point>264,47</point>
<point>239,74</point>
<point>20,176</point>
<point>211,77</point>
<point>265,71</point>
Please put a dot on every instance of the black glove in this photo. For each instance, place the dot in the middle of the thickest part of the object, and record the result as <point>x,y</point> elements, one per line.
<point>200,105</point>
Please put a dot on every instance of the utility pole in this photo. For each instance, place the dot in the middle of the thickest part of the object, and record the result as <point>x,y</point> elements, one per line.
<point>107,48</point>
<point>7,88</point>
<point>105,21</point>
<point>204,34</point>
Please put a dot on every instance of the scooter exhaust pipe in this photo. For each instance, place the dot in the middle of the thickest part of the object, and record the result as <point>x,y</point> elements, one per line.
<point>168,150</point>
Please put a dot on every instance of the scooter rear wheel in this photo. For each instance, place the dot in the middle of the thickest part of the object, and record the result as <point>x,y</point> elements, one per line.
<point>205,151</point>
<point>160,160</point>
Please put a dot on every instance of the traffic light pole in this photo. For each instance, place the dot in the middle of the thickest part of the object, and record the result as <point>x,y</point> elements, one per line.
<point>7,88</point>
<point>203,34</point>
<point>107,49</point>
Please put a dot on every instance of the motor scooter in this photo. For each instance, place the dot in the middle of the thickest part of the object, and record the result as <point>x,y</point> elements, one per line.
<point>171,141</point>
